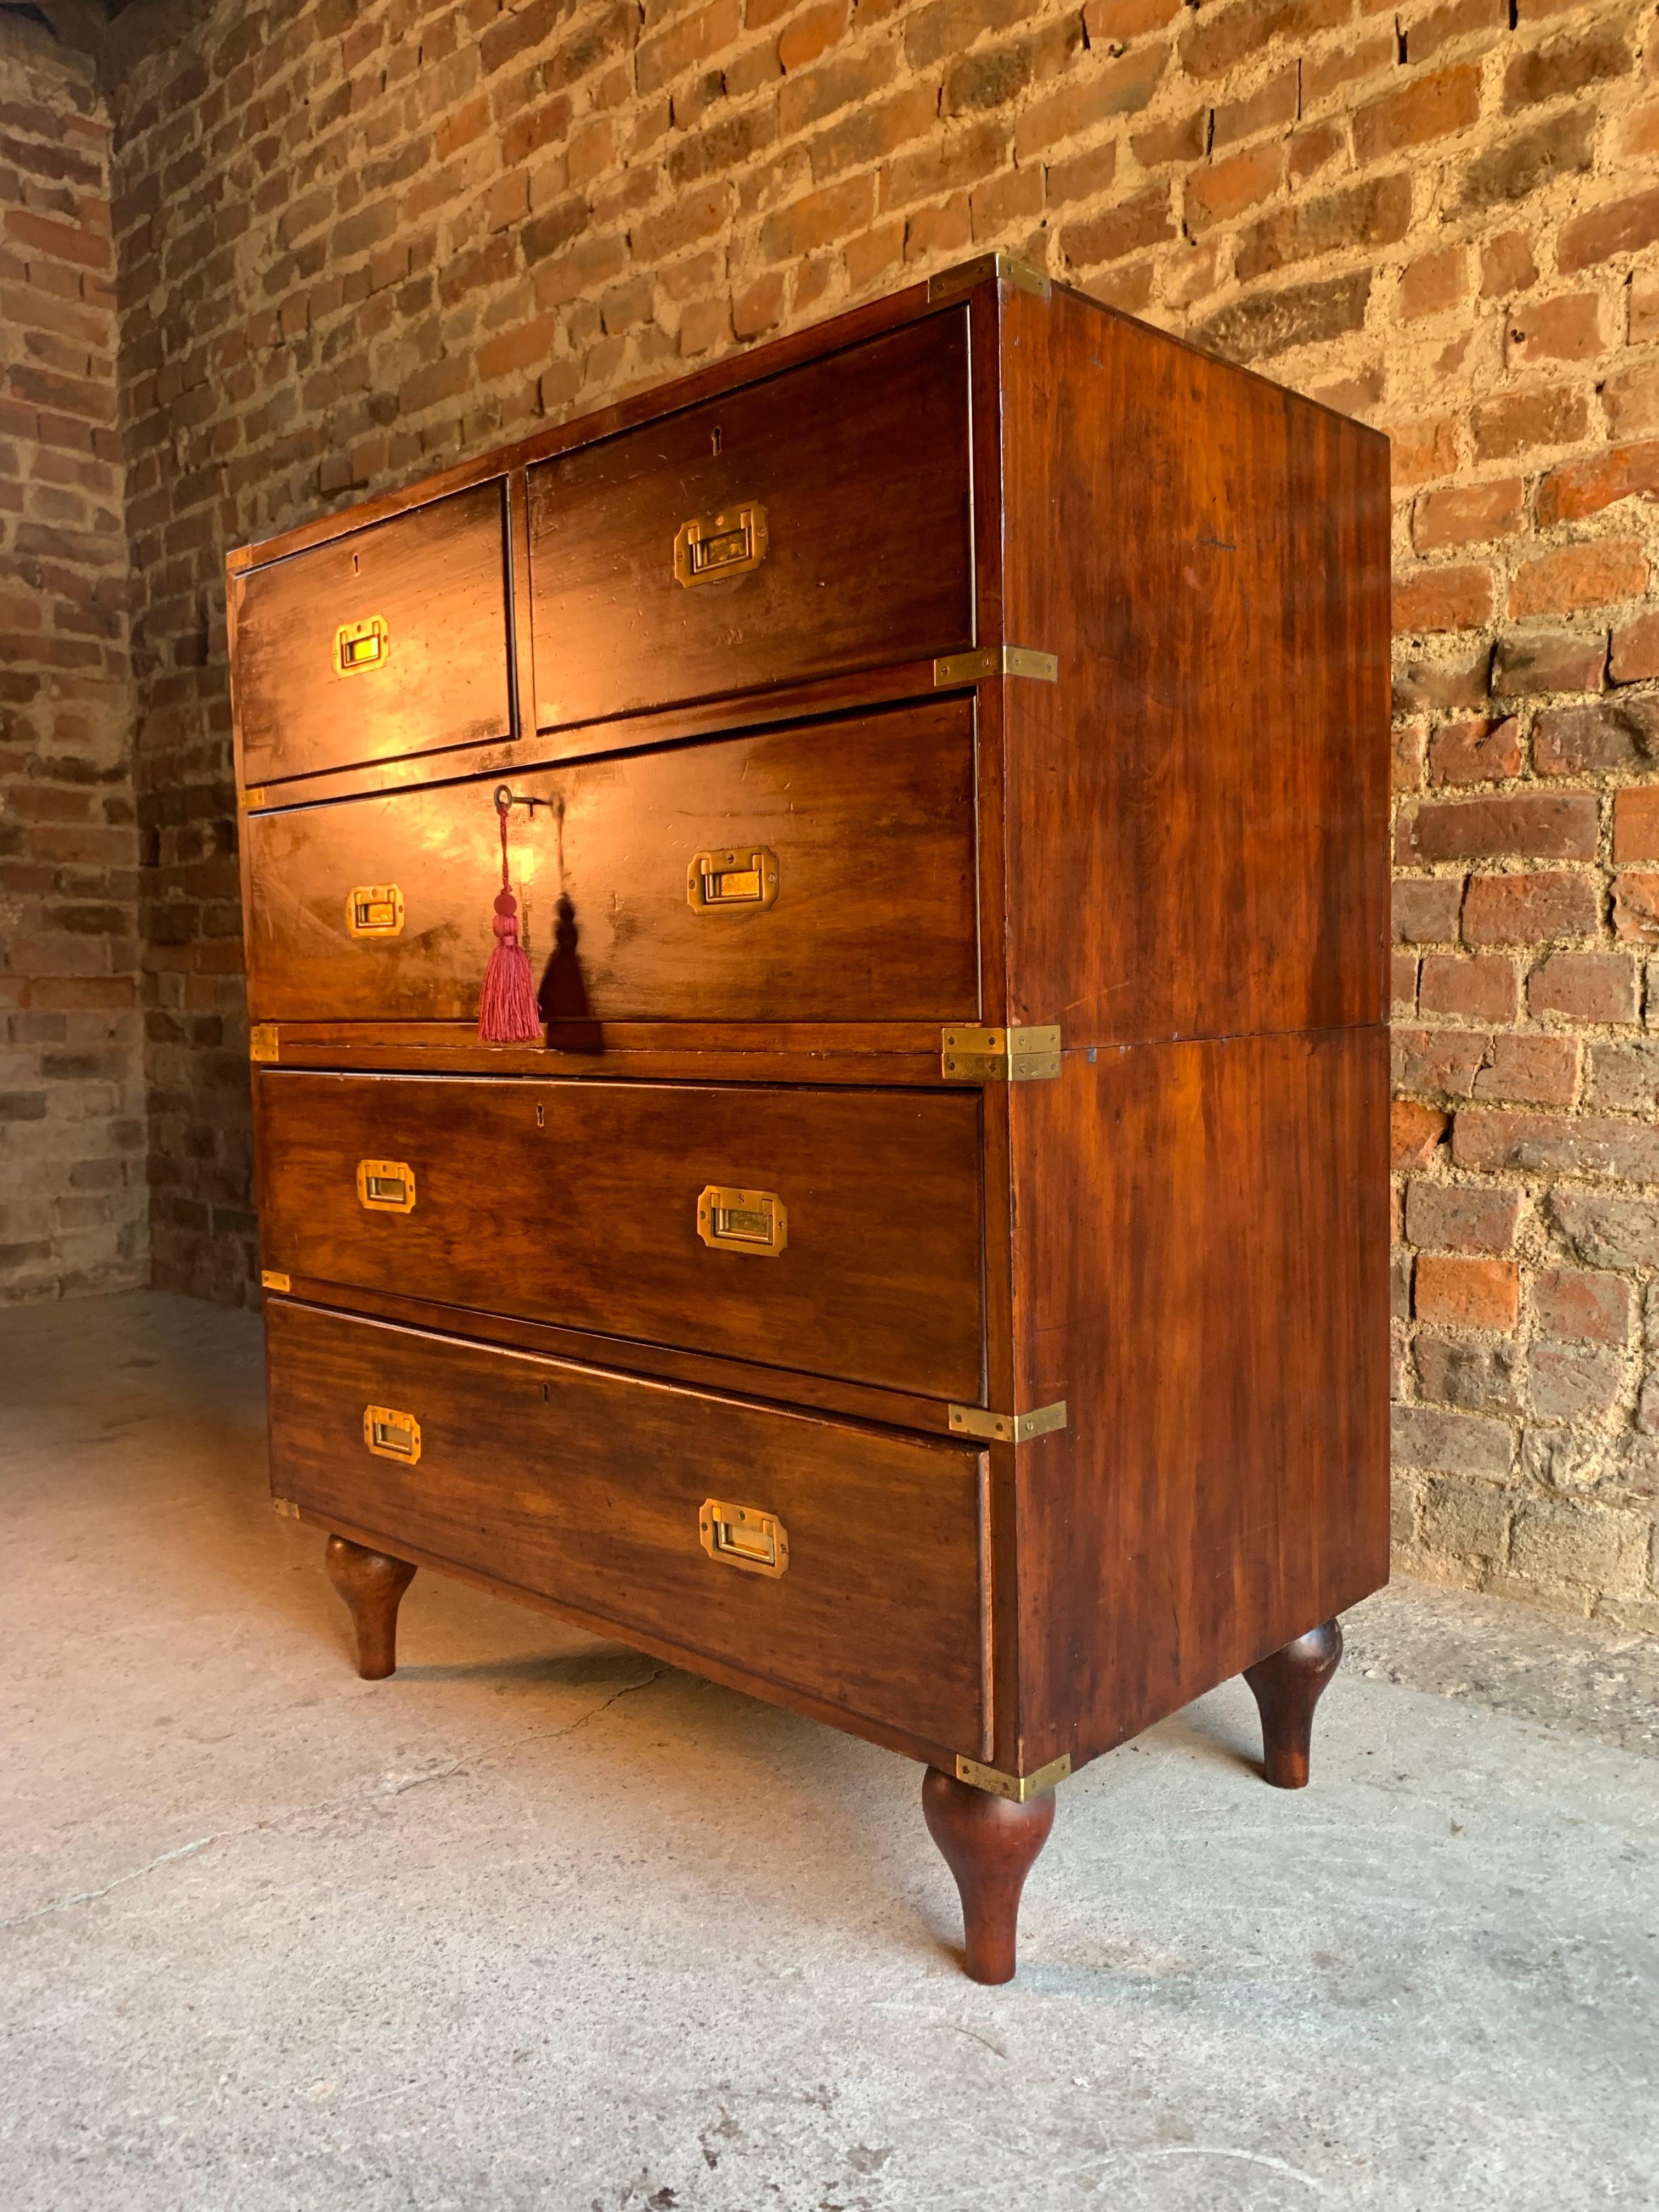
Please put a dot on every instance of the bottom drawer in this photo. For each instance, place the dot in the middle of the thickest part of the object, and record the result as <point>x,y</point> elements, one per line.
<point>852,1572</point>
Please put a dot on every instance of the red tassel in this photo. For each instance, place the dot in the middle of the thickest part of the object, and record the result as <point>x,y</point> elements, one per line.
<point>507,1005</point>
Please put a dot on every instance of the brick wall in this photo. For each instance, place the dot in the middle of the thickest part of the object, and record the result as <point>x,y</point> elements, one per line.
<point>360,240</point>
<point>72,1208</point>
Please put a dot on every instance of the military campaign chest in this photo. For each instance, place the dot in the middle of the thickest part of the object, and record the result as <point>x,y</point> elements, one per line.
<point>925,1263</point>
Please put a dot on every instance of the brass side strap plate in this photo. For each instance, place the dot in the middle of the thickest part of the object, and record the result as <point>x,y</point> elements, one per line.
<point>252,797</point>
<point>743,1536</point>
<point>1024,1055</point>
<point>362,645</point>
<point>729,543</point>
<point>273,1278</point>
<point>385,1186</point>
<point>374,910</point>
<point>392,1435</point>
<point>996,661</point>
<point>1007,1428</point>
<point>1001,267</point>
<point>285,1509</point>
<point>753,1221</point>
<point>1021,1787</point>
<point>744,881</point>
<point>262,1041</point>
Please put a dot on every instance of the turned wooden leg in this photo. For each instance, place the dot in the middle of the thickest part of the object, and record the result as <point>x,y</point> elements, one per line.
<point>1287,1684</point>
<point>990,1846</point>
<point>372,1585</point>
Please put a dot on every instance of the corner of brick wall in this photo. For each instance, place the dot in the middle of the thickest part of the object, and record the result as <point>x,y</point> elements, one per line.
<point>360,240</point>
<point>72,1198</point>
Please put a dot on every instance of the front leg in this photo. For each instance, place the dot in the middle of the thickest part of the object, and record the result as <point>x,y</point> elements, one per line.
<point>990,1846</point>
<point>372,1585</point>
<point>1287,1684</point>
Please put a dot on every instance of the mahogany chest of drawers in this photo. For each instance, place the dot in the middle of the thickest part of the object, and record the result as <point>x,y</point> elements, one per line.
<point>928,1269</point>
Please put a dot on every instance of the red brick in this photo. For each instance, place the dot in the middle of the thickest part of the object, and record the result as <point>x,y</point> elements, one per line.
<point>1468,1293</point>
<point>1576,489</point>
<point>1567,329</point>
<point>1456,1216</point>
<point>812,33</point>
<point>1453,597</point>
<point>1582,1306</point>
<point>1580,576</point>
<point>1622,227</point>
<point>1507,265</point>
<point>1614,737</point>
<point>1425,908</point>
<point>1544,826</point>
<point>1427,108</point>
<point>1415,1132</point>
<point>1223,190</point>
<point>1529,661</point>
<point>1468,514</point>
<point>1475,752</point>
<point>1636,824</point>
<point>1584,987</point>
<point>1636,909</point>
<point>1636,650</point>
<point>1512,422</point>
<point>1433,282</point>
<point>1473,987</point>
<point>1530,1071</point>
<point>1530,909</point>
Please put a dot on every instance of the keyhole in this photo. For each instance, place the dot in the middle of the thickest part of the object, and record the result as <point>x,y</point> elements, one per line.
<point>540,1122</point>
<point>717,437</point>
<point>354,565</point>
<point>544,1394</point>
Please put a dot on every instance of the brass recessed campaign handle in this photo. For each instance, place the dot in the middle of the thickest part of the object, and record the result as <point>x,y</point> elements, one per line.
<point>374,910</point>
<point>392,1435</point>
<point>385,1186</point>
<point>362,645</point>
<point>743,1536</point>
<point>742,880</point>
<point>728,543</point>
<point>754,1221</point>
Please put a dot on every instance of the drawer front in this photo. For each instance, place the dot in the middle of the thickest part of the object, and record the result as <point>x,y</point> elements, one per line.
<point>853,1250</point>
<point>388,641</point>
<point>866,825</point>
<point>817,522</point>
<point>590,1490</point>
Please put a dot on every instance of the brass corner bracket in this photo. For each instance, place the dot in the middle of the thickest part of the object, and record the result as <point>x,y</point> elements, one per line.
<point>285,1509</point>
<point>1023,1055</point>
<point>988,268</point>
<point>1007,1428</point>
<point>996,661</point>
<point>264,1041</point>
<point>1020,1789</point>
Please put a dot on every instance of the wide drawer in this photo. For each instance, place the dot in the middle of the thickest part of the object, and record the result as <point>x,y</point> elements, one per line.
<point>621,1499</point>
<point>639,888</point>
<point>388,641</point>
<point>846,1242</point>
<point>818,521</point>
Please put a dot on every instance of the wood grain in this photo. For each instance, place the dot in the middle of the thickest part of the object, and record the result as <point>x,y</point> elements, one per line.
<point>576,1202</point>
<point>584,1486</point>
<point>871,820</point>
<point>861,461</point>
<point>1203,1276</point>
<point>436,575</point>
<point>1197,810</point>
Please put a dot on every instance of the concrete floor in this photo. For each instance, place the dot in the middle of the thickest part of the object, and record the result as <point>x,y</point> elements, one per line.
<point>541,1923</point>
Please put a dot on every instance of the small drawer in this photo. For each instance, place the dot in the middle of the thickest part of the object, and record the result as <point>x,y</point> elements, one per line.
<point>838,1562</point>
<point>818,521</point>
<point>825,874</point>
<point>390,640</point>
<point>833,1232</point>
